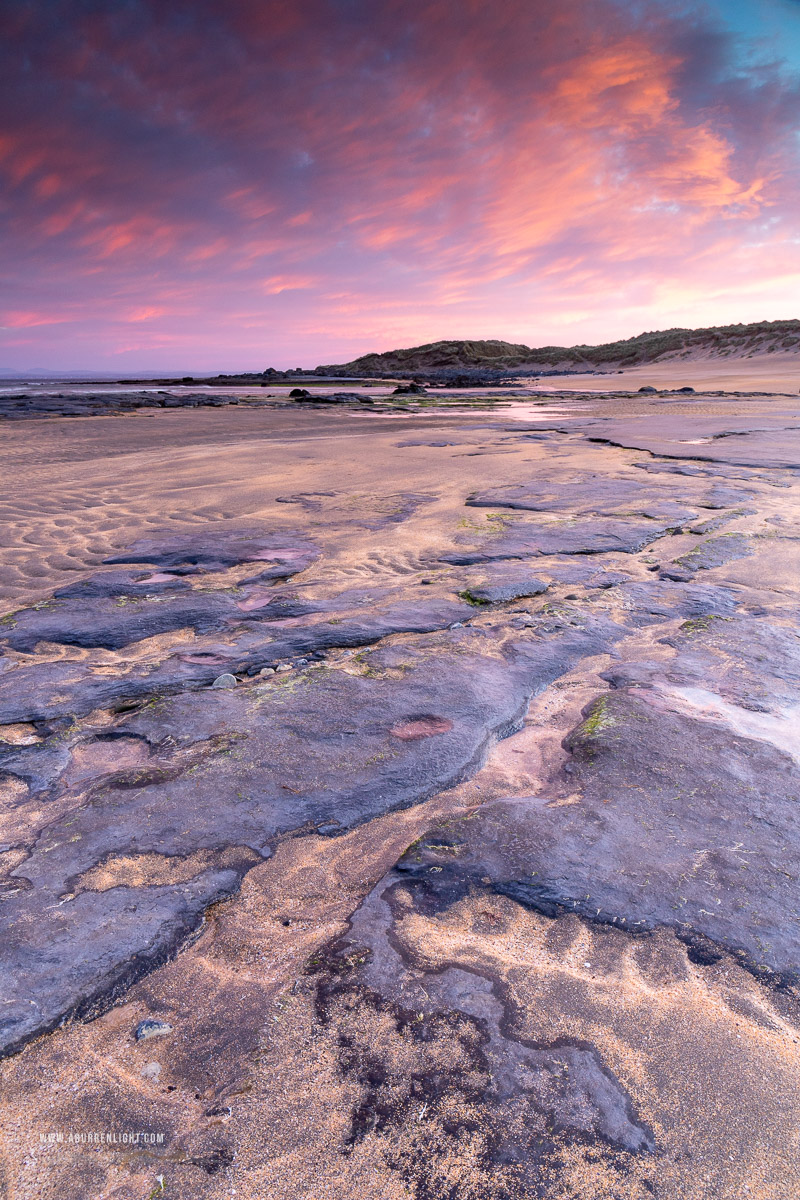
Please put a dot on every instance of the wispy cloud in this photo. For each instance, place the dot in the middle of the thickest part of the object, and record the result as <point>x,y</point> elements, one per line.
<point>255,182</point>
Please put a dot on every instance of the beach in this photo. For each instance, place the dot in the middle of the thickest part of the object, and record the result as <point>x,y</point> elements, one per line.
<point>397,796</point>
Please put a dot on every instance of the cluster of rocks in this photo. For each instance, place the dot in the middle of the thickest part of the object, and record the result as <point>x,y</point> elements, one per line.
<point>27,405</point>
<point>24,405</point>
<point>648,390</point>
<point>304,396</point>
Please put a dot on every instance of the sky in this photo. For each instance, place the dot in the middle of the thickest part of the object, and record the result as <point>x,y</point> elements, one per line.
<point>207,185</point>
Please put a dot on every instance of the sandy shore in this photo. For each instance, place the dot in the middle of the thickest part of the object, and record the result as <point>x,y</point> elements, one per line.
<point>481,877</point>
<point>779,372</point>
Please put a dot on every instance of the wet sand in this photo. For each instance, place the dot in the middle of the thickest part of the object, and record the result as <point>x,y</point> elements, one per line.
<point>460,899</point>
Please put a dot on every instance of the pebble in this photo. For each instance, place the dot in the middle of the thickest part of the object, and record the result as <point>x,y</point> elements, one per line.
<point>225,681</point>
<point>676,574</point>
<point>150,1028</point>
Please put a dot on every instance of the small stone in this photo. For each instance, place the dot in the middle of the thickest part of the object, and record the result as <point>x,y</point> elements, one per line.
<point>267,671</point>
<point>409,389</point>
<point>220,1110</point>
<point>151,1028</point>
<point>284,667</point>
<point>676,574</point>
<point>607,579</point>
<point>225,681</point>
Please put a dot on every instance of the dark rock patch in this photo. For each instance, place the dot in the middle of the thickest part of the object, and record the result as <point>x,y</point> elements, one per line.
<point>310,501</point>
<point>666,598</point>
<point>122,583</point>
<point>439,442</point>
<point>373,512</point>
<point>750,661</point>
<point>217,550</point>
<point>607,579</point>
<point>525,540</point>
<point>501,590</point>
<point>714,523</point>
<point>409,389</point>
<point>150,1028</point>
<point>675,573</point>
<point>716,552</point>
<point>587,493</point>
<point>251,764</point>
<point>466,1067</point>
<point>59,691</point>
<point>103,623</point>
<point>105,404</point>
<point>702,470</point>
<point>720,496</point>
<point>79,966</point>
<point>334,398</point>
<point>678,822</point>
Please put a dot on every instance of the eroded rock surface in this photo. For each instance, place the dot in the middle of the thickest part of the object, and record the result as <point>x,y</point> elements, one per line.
<point>23,406</point>
<point>479,879</point>
<point>325,747</point>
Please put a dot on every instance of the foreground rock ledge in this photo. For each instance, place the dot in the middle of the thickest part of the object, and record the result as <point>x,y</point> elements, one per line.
<point>482,877</point>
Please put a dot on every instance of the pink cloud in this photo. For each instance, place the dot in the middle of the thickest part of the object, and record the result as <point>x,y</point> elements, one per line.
<point>266,181</point>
